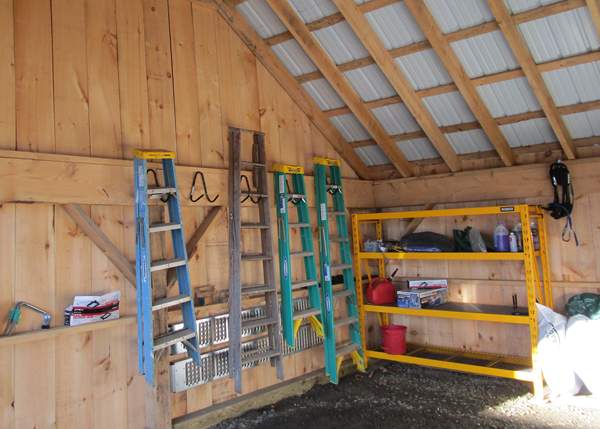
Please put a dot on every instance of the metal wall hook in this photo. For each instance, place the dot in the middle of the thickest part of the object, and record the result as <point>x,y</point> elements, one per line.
<point>204,187</point>
<point>244,180</point>
<point>157,184</point>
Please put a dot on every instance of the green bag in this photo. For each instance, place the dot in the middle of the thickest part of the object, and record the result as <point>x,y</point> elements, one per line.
<point>587,304</point>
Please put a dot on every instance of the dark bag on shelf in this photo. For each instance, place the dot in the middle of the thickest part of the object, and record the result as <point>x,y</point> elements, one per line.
<point>427,242</point>
<point>587,304</point>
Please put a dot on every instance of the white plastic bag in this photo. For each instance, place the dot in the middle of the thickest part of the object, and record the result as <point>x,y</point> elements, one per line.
<point>583,344</point>
<point>554,355</point>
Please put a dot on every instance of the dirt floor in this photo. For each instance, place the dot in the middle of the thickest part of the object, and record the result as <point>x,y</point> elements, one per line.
<point>402,396</point>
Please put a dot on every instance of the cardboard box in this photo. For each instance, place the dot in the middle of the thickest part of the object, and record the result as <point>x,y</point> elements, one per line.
<point>427,284</point>
<point>421,298</point>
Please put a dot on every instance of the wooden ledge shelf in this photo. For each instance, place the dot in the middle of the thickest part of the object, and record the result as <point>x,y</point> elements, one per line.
<point>445,256</point>
<point>47,334</point>
<point>458,310</point>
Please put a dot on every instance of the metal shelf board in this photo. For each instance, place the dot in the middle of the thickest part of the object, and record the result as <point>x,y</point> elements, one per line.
<point>445,256</point>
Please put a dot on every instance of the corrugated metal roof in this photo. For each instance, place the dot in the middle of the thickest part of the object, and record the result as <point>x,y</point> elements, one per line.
<point>341,43</point>
<point>584,124</point>
<point>293,57</point>
<point>351,129</point>
<point>509,97</point>
<point>395,26</point>
<point>423,69</point>
<point>485,54</point>
<point>312,10</point>
<point>516,6</point>
<point>561,35</point>
<point>396,119</point>
<point>448,109</point>
<point>454,15</point>
<point>470,141</point>
<point>372,155</point>
<point>572,85</point>
<point>370,83</point>
<point>260,16</point>
<point>528,133</point>
<point>417,149</point>
<point>323,93</point>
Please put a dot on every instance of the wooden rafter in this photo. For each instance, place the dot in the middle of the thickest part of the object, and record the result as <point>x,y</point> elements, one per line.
<point>594,8</point>
<point>399,82</point>
<point>270,61</point>
<point>455,69</point>
<point>322,60</point>
<point>519,48</point>
<point>465,33</point>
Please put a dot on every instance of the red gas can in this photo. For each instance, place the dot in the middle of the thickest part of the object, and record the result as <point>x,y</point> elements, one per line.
<point>381,292</point>
<point>394,339</point>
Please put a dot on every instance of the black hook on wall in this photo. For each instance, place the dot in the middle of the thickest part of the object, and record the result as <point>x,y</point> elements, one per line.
<point>204,187</point>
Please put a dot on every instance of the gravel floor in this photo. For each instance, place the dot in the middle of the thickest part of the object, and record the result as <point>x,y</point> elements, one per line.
<point>403,396</point>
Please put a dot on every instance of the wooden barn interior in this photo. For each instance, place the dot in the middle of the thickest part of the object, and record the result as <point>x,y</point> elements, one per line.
<point>345,114</point>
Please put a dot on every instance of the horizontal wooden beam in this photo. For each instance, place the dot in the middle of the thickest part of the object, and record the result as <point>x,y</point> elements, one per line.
<point>62,179</point>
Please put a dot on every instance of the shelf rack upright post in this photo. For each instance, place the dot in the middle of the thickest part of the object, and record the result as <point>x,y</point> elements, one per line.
<point>538,287</point>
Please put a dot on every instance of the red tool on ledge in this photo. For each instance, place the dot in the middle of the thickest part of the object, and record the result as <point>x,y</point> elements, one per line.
<point>381,291</point>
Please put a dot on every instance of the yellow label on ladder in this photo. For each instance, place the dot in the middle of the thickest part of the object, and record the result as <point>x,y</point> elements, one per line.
<point>326,161</point>
<point>288,169</point>
<point>153,154</point>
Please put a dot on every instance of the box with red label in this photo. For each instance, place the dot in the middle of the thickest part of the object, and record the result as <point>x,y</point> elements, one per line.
<point>421,298</point>
<point>427,284</point>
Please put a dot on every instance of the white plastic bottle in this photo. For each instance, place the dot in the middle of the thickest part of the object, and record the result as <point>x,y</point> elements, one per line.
<point>501,242</point>
<point>518,230</point>
<point>535,236</point>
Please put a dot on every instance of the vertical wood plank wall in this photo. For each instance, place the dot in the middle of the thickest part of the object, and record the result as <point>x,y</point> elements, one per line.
<point>100,78</point>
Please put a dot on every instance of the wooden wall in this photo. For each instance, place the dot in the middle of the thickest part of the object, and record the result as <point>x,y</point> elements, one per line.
<point>574,269</point>
<point>93,79</point>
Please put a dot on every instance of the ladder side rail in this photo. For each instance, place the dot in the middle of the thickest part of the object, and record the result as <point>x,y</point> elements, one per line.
<point>235,304</point>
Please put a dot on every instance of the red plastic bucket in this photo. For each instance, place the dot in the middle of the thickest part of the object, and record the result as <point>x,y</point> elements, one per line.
<point>394,339</point>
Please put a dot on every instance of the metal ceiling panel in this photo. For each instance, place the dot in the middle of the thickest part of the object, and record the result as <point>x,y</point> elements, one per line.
<point>510,97</point>
<point>323,94</point>
<point>584,124</point>
<point>341,43</point>
<point>454,15</point>
<point>528,133</point>
<point>572,85</point>
<point>485,54</point>
<point>423,69</point>
<point>262,18</point>
<point>395,119</point>
<point>312,10</point>
<point>350,127</point>
<point>448,109</point>
<point>516,6</point>
<point>395,26</point>
<point>372,155</point>
<point>417,149</point>
<point>293,57</point>
<point>561,35</point>
<point>470,141</point>
<point>370,83</point>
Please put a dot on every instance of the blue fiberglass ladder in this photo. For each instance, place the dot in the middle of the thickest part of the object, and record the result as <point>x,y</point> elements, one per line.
<point>296,194</point>
<point>148,344</point>
<point>335,352</point>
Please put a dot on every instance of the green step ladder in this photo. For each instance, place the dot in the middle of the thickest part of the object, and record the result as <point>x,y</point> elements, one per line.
<point>328,182</point>
<point>296,195</point>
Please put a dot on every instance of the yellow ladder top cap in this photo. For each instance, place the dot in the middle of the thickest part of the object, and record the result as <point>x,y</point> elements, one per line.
<point>288,169</point>
<point>326,161</point>
<point>153,154</point>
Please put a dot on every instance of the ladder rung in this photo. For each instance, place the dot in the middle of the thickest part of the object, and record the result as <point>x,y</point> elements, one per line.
<point>334,213</point>
<point>340,266</point>
<point>334,187</point>
<point>161,191</point>
<point>344,349</point>
<point>299,225</point>
<point>255,289</point>
<point>303,253</point>
<point>255,194</point>
<point>170,301</point>
<point>345,321</point>
<point>260,355</point>
<point>296,196</point>
<point>305,283</point>
<point>172,338</point>
<point>307,313</point>
<point>159,227</point>
<point>164,264</point>
<point>253,323</point>
<point>343,293</point>
<point>338,239</point>
<point>255,226</point>
<point>255,257</point>
<point>251,164</point>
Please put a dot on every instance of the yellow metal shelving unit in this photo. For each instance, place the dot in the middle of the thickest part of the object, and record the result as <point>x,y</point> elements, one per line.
<point>537,282</point>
